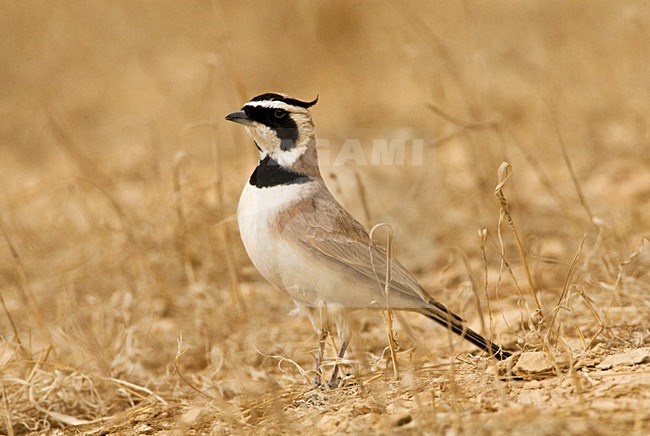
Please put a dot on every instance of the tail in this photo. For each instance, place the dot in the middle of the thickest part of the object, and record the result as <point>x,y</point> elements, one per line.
<point>456,324</point>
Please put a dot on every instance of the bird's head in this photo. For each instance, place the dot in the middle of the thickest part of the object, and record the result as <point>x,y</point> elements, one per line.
<point>281,126</point>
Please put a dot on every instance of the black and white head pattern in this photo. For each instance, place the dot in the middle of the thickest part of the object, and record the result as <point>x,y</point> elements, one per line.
<point>282,126</point>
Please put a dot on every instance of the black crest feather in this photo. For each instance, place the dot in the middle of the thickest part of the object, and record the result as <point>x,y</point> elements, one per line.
<point>288,100</point>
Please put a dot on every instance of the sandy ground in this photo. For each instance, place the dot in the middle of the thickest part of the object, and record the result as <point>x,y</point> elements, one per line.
<point>130,307</point>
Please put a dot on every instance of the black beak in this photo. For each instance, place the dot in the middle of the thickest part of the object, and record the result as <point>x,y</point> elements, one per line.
<point>239,117</point>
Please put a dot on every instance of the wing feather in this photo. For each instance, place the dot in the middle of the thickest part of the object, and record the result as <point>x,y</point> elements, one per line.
<point>321,226</point>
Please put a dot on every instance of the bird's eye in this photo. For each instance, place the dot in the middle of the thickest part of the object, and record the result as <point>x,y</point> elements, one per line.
<point>280,113</point>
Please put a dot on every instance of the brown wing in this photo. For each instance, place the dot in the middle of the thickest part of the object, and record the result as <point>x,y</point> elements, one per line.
<point>323,227</point>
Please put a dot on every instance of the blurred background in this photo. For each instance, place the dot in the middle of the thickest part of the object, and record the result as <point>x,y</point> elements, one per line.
<point>120,177</point>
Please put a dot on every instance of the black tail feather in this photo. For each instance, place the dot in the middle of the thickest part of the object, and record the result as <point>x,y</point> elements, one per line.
<point>453,322</point>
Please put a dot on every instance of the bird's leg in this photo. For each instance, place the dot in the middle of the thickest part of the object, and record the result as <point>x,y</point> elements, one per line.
<point>321,349</point>
<point>333,381</point>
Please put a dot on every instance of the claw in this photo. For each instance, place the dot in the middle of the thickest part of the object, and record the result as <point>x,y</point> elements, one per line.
<point>334,383</point>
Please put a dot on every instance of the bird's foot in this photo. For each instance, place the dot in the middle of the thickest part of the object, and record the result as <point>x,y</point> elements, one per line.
<point>334,383</point>
<point>337,382</point>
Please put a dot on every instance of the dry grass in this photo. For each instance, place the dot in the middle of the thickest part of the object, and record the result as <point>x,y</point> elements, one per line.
<point>129,306</point>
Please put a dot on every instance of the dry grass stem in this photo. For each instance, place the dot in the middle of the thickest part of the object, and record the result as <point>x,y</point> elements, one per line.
<point>574,178</point>
<point>549,185</point>
<point>26,290</point>
<point>565,289</point>
<point>592,309</point>
<point>472,125</point>
<point>6,412</point>
<point>483,235</point>
<point>386,311</point>
<point>643,245</point>
<point>121,179</point>
<point>227,245</point>
<point>180,159</point>
<point>87,166</point>
<point>504,173</point>
<point>177,371</point>
<point>473,285</point>
<point>361,190</point>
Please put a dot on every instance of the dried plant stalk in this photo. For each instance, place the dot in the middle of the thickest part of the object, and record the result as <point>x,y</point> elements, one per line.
<point>565,289</point>
<point>483,234</point>
<point>594,313</point>
<point>574,178</point>
<point>6,415</point>
<point>472,125</point>
<point>181,236</point>
<point>233,273</point>
<point>474,286</point>
<point>645,243</point>
<point>386,311</point>
<point>27,291</point>
<point>362,197</point>
<point>179,353</point>
<point>504,172</point>
<point>87,166</point>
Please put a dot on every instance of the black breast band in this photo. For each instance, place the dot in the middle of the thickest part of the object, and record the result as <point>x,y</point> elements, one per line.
<point>269,173</point>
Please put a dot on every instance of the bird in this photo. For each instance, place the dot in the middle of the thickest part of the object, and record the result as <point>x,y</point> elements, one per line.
<point>303,241</point>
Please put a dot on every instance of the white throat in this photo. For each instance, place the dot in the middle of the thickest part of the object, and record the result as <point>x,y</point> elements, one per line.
<point>269,145</point>
<point>289,157</point>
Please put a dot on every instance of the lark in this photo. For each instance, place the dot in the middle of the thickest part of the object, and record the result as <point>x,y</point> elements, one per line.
<point>304,242</point>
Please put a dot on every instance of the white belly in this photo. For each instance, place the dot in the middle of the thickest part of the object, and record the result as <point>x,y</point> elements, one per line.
<point>269,251</point>
<point>282,262</point>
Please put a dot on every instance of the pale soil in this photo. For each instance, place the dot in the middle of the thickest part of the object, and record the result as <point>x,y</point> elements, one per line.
<point>129,305</point>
